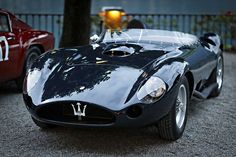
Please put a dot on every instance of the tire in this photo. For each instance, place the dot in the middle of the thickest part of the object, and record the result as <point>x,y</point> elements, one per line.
<point>171,127</point>
<point>32,54</point>
<point>42,125</point>
<point>218,76</point>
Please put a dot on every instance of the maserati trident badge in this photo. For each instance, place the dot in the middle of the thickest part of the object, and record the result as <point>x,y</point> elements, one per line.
<point>78,111</point>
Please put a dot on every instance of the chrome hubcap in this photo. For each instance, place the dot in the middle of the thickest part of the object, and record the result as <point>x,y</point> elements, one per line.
<point>219,72</point>
<point>181,105</point>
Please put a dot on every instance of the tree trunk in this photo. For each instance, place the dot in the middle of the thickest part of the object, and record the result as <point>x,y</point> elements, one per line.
<point>76,23</point>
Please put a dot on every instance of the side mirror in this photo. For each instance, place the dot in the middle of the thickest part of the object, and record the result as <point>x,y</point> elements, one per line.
<point>94,38</point>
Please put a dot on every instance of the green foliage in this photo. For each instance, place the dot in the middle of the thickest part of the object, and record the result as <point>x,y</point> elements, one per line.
<point>224,25</point>
<point>215,23</point>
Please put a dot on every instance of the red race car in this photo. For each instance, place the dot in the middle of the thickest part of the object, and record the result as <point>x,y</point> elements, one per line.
<point>20,45</point>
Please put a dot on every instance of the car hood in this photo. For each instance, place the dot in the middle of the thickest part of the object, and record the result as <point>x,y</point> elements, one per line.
<point>105,85</point>
<point>86,74</point>
<point>123,54</point>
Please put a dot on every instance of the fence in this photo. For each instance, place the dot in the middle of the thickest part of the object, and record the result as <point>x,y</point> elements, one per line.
<point>224,25</point>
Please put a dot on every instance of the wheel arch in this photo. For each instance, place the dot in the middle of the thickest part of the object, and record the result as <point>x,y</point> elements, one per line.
<point>38,46</point>
<point>171,70</point>
<point>190,79</point>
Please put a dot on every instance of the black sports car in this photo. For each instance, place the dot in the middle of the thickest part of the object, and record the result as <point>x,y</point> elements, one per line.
<point>129,78</point>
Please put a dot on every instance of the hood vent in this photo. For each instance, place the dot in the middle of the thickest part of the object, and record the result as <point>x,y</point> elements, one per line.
<point>122,50</point>
<point>117,53</point>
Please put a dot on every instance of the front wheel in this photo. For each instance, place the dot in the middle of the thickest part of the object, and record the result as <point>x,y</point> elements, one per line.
<point>171,127</point>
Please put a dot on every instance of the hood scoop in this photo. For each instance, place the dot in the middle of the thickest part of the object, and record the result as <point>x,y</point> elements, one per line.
<point>121,50</point>
<point>116,54</point>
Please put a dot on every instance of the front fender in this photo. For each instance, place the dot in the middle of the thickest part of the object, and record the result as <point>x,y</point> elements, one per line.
<point>34,37</point>
<point>171,70</point>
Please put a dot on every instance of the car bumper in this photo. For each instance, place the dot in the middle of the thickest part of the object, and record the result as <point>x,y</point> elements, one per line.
<point>136,115</point>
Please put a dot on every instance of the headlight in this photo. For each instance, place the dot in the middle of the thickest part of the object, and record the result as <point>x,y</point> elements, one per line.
<point>152,90</point>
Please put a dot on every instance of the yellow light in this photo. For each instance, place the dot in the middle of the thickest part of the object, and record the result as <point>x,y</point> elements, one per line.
<point>114,14</point>
<point>112,18</point>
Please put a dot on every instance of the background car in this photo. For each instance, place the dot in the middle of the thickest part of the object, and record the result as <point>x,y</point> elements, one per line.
<point>20,45</point>
<point>129,78</point>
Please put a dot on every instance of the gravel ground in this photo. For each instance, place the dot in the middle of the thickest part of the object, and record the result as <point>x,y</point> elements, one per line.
<point>210,130</point>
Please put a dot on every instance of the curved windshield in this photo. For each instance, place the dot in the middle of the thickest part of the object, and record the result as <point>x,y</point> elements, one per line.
<point>148,36</point>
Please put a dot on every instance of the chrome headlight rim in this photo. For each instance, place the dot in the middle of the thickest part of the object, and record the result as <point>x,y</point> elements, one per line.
<point>152,85</point>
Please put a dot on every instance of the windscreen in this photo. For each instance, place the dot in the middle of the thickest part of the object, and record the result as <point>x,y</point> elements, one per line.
<point>148,36</point>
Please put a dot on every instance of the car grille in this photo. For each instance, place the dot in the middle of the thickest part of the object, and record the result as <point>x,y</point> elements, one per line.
<point>63,112</point>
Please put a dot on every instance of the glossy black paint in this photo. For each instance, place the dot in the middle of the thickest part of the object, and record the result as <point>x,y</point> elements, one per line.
<point>95,74</point>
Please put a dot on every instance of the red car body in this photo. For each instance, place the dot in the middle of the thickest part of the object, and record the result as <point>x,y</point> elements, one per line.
<point>16,39</point>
